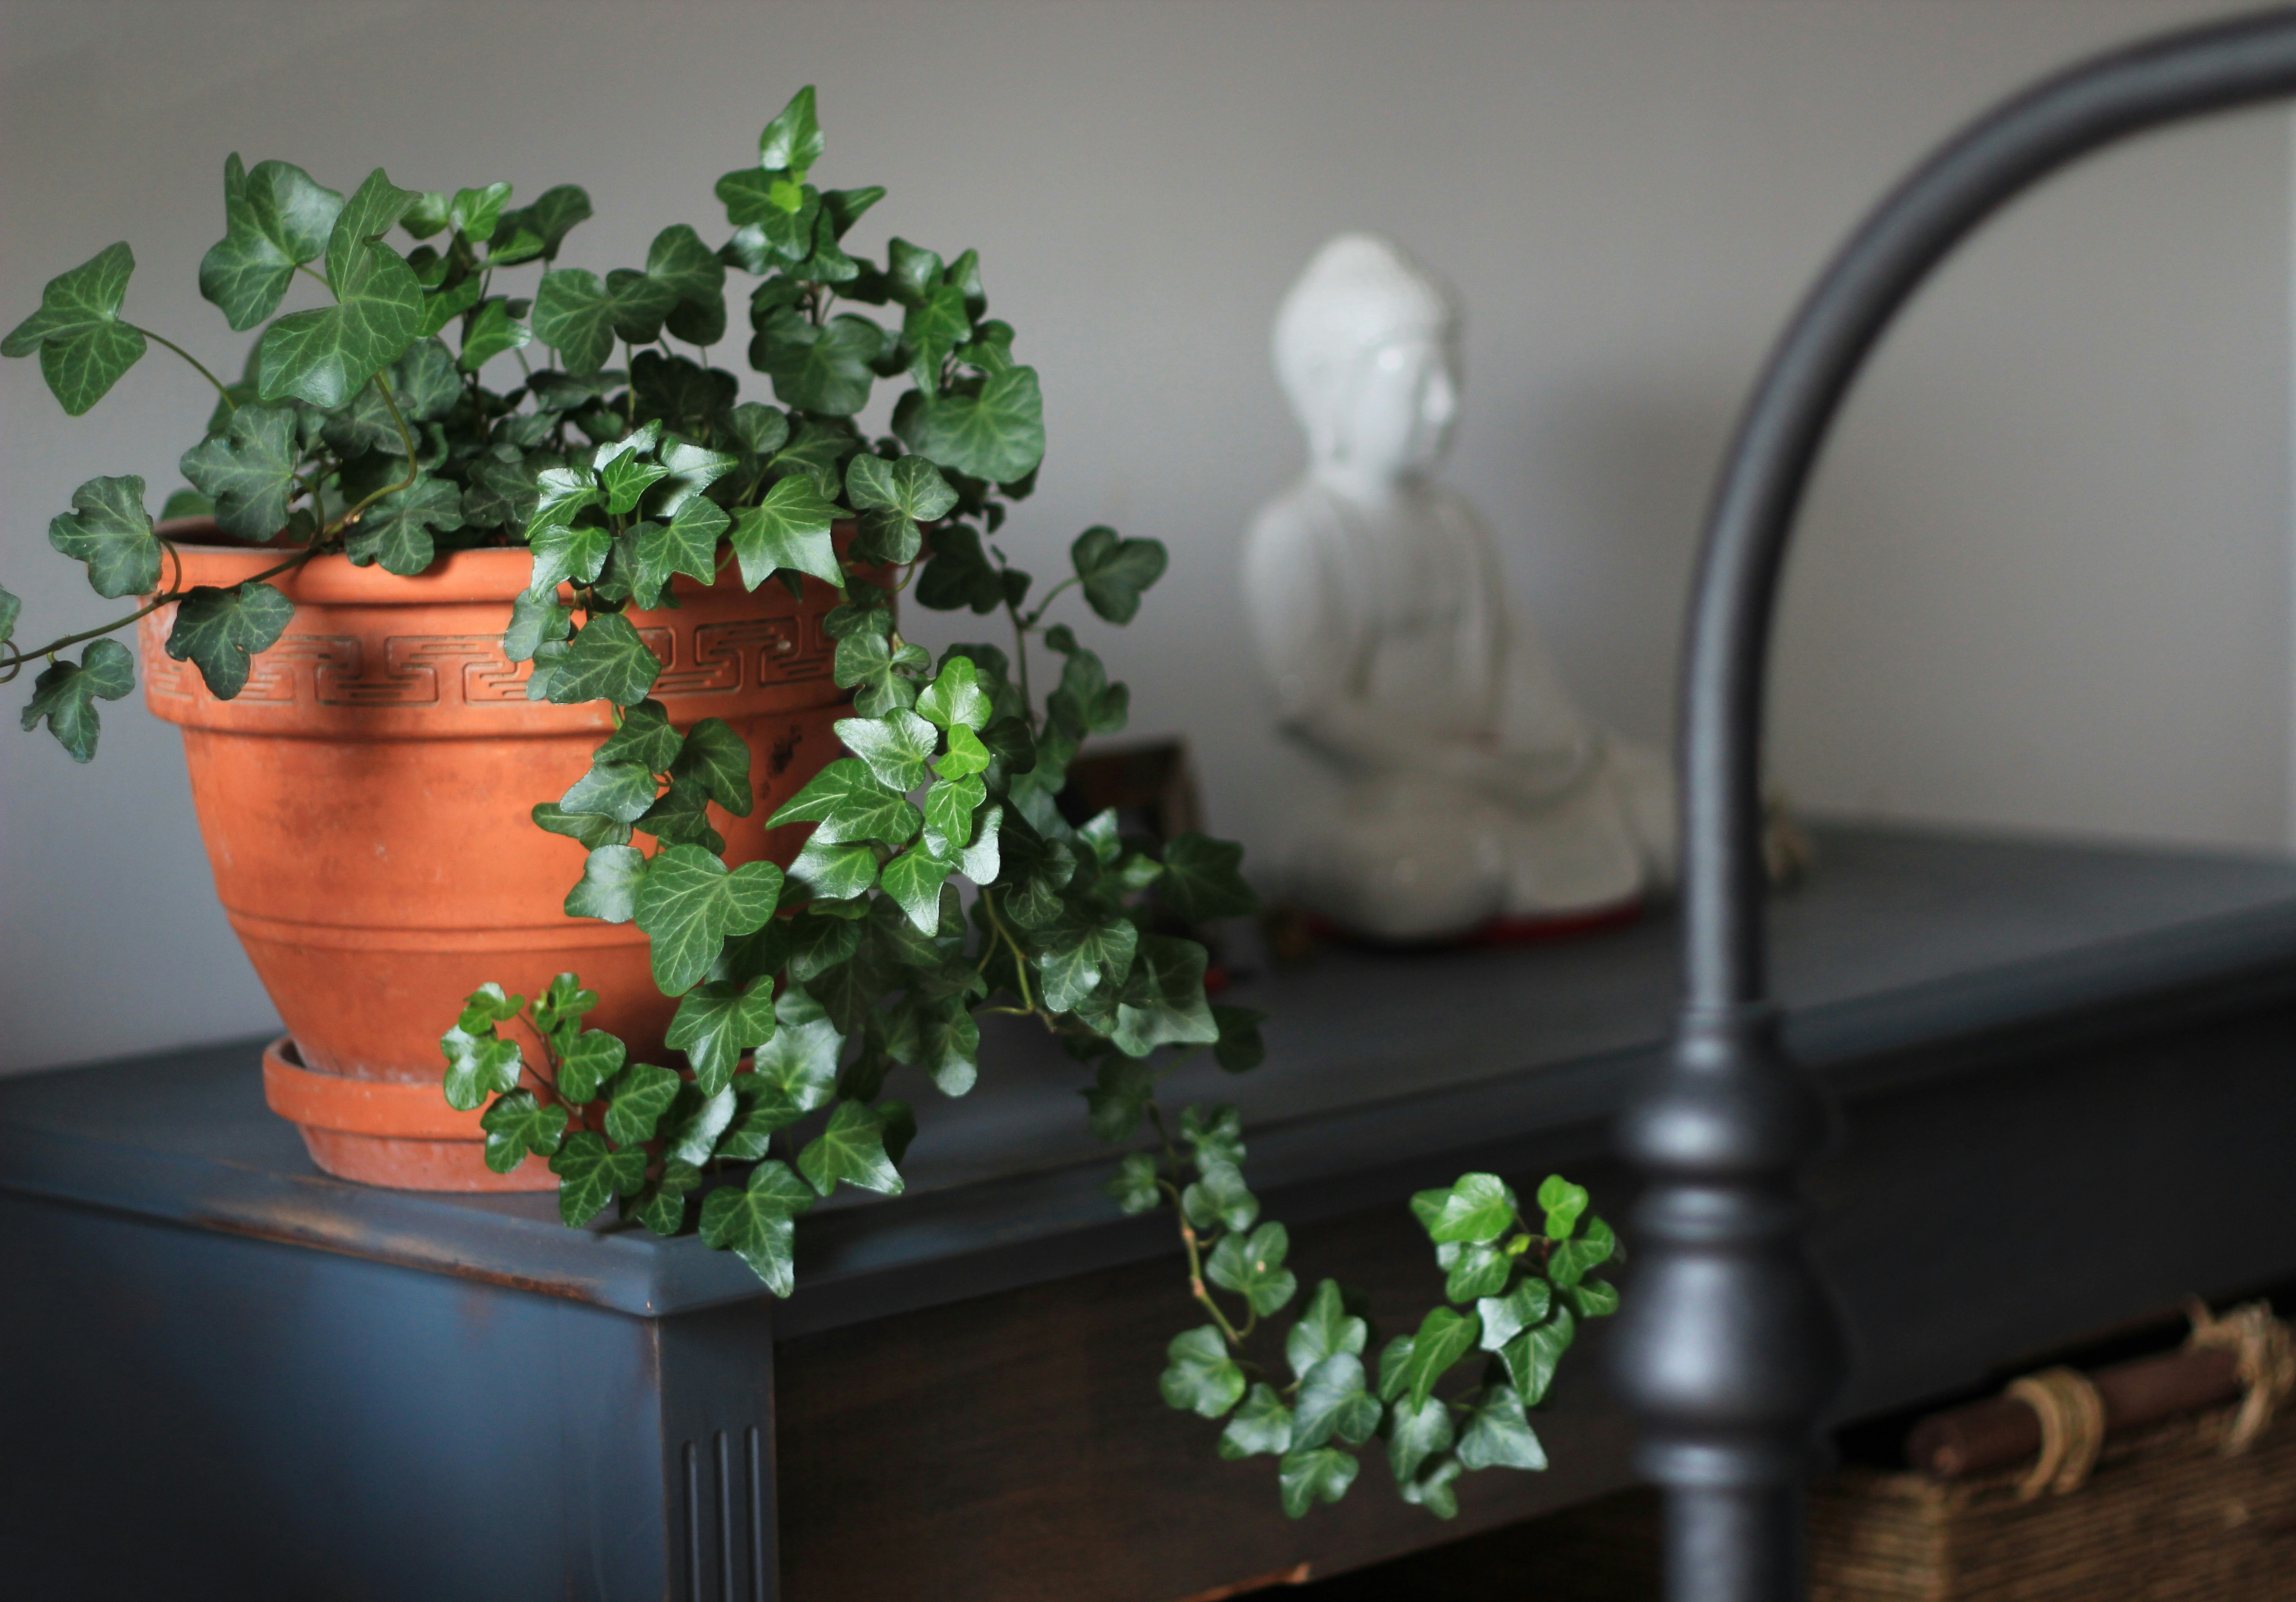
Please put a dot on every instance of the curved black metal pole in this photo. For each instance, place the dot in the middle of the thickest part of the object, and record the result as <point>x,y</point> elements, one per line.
<point>1729,1349</point>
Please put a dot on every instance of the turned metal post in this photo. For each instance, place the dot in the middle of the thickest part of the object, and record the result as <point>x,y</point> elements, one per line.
<point>1730,1349</point>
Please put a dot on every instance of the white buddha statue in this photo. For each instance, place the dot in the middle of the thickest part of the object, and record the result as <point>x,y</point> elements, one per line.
<point>1470,792</point>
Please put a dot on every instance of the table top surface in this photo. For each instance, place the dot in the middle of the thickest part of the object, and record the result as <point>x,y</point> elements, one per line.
<point>1901,940</point>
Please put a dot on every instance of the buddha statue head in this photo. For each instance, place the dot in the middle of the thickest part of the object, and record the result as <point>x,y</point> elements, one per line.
<point>1366,349</point>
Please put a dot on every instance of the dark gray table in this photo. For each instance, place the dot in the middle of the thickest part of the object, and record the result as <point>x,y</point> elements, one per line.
<point>2067,1101</point>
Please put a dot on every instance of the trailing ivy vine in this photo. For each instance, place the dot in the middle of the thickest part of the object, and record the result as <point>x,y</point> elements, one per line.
<point>941,882</point>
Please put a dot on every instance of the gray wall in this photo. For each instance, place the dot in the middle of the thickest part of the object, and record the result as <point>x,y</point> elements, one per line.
<point>2044,578</point>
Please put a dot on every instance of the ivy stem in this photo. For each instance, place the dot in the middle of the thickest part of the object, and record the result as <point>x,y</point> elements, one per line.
<point>630,363</point>
<point>414,469</point>
<point>1044,605</point>
<point>1188,1237</point>
<point>1020,957</point>
<point>14,664</point>
<point>305,268</point>
<point>198,365</point>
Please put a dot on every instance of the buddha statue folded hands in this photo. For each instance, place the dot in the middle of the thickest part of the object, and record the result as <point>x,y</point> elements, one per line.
<point>1470,790</point>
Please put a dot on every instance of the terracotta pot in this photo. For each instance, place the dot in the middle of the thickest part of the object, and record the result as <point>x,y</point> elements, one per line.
<point>365,803</point>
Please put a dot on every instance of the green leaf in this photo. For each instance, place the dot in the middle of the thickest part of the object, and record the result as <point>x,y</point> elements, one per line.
<point>636,1099</point>
<point>646,739</point>
<point>488,1006</point>
<point>397,531</point>
<point>1214,1136</point>
<point>1253,1268</point>
<point>1263,1424</point>
<point>949,807</point>
<point>1162,1001</point>
<point>324,355</point>
<point>561,492</point>
<point>1505,1317</point>
<point>249,470</point>
<point>822,368</point>
<point>688,544</point>
<point>1563,1202</point>
<point>1239,1049</point>
<point>491,333</point>
<point>588,1061</point>
<point>1434,1492</point>
<point>696,1118</point>
<point>1080,948</point>
<point>787,529</point>
<point>914,881</point>
<point>1476,1271</point>
<point>1479,1208</point>
<point>1116,1103</point>
<point>606,660</point>
<point>965,755</point>
<point>934,325</point>
<point>518,1126</point>
<point>833,873</point>
<point>1595,1299</point>
<point>955,700</point>
<point>182,503</point>
<point>1444,1337</point>
<point>66,693</point>
<point>1570,1261</point>
<point>958,574</point>
<point>1114,571</point>
<point>592,831</point>
<point>578,317</point>
<point>1333,1402</point>
<point>1133,1187</point>
<point>1201,881</point>
<point>538,229</point>
<point>846,801</point>
<point>717,757</point>
<point>753,1222</point>
<point>590,1175</point>
<point>1326,1330</point>
<point>716,1023</point>
<point>947,1045</point>
<point>912,487</point>
<point>998,435</point>
<point>872,664</point>
<point>611,878</point>
<point>679,262</point>
<point>108,530</point>
<point>276,218</point>
<point>1415,1435</point>
<point>477,1066</point>
<point>798,1064</point>
<point>219,630</point>
<point>83,343</point>
<point>1498,1435</point>
<point>689,901</point>
<point>792,142</point>
<point>1219,1196</point>
<point>895,746</point>
<point>1531,1356</point>
<point>1313,1475</point>
<point>852,1149</point>
<point>660,1206</point>
<point>912,271</point>
<point>1200,1377</point>
<point>626,480</point>
<point>12,607</point>
<point>499,493</point>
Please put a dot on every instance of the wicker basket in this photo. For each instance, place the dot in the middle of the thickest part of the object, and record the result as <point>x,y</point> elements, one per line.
<point>2165,1517</point>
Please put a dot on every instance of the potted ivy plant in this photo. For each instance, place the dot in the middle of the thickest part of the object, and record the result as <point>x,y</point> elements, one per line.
<point>451,630</point>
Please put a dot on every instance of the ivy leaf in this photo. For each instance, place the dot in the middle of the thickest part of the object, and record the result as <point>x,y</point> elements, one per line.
<point>872,664</point>
<point>1198,1376</point>
<point>912,487</point>
<point>1076,950</point>
<point>1219,1196</point>
<point>275,220</point>
<point>679,262</point>
<point>689,901</point>
<point>397,531</point>
<point>958,573</point>
<point>716,1023</point>
<point>606,660</point>
<point>789,528</point>
<point>912,271</point>
<point>559,494</point>
<point>590,1059</point>
<point>688,543</point>
<point>964,758</point>
<point>996,436</point>
<point>846,801</point>
<point>947,1045</point>
<point>851,1148</point>
<point>822,368</point>
<point>1162,1002</point>
<point>718,759</point>
<point>1326,1330</point>
<point>499,493</point>
<point>491,333</point>
<point>696,1118</point>
<point>249,470</point>
<point>1443,1338</point>
<point>324,355</point>
<point>611,876</point>
<point>1263,1424</point>
<point>1498,1435</point>
<point>1531,1356</point>
<point>1087,703</point>
<point>578,317</point>
<point>1239,1049</point>
<point>949,807</point>
<point>592,831</point>
<point>1318,1473</point>
<point>477,1066</point>
<point>1214,1136</point>
<point>895,746</point>
<point>1116,1104</point>
<point>518,1125</point>
<point>11,608</point>
<point>792,142</point>
<point>1572,1261</point>
<point>1201,881</point>
<point>1416,1434</point>
<point>1505,1317</point>
<point>219,630</point>
<point>1435,1492</point>
<point>753,1222</point>
<point>108,530</point>
<point>934,325</point>
<point>84,344</point>
<point>1133,1187</point>
<point>1253,1268</point>
<point>1479,1208</point>
<point>913,880</point>
<point>638,1097</point>
<point>1114,571</point>
<point>538,229</point>
<point>1476,1271</point>
<point>626,480</point>
<point>1563,1202</point>
<point>979,862</point>
<point>798,1064</point>
<point>833,873</point>
<point>485,1007</point>
<point>1595,1299</point>
<point>660,1206</point>
<point>590,1175</point>
<point>646,739</point>
<point>66,694</point>
<point>955,700</point>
